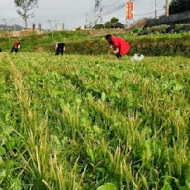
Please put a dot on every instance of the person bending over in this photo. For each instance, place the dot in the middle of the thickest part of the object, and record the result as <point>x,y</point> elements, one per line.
<point>119,45</point>
<point>59,48</point>
<point>15,47</point>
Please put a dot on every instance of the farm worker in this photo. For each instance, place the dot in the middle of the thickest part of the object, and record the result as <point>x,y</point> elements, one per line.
<point>120,46</point>
<point>59,48</point>
<point>15,47</point>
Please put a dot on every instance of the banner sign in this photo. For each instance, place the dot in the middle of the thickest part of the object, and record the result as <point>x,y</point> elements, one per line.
<point>129,10</point>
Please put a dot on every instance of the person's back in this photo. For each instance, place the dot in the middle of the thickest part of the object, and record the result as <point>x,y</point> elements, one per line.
<point>17,44</point>
<point>60,48</point>
<point>15,47</point>
<point>121,44</point>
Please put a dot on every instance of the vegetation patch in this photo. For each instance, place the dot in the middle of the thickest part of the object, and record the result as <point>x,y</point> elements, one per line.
<point>94,122</point>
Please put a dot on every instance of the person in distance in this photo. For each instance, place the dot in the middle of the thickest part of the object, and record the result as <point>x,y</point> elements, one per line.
<point>59,48</point>
<point>16,47</point>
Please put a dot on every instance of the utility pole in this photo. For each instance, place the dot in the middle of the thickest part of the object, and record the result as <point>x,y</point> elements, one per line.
<point>98,10</point>
<point>86,21</point>
<point>167,7</point>
<point>155,9</point>
<point>101,16</point>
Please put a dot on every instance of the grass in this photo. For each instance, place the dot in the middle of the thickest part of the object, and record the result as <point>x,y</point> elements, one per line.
<point>93,122</point>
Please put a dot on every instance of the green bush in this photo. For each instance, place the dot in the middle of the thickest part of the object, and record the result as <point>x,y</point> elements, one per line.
<point>159,29</point>
<point>136,30</point>
<point>147,46</point>
<point>162,29</point>
<point>181,28</point>
<point>0,50</point>
<point>99,26</point>
<point>154,30</point>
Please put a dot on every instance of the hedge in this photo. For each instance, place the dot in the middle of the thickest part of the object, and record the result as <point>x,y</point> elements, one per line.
<point>159,45</point>
<point>147,46</point>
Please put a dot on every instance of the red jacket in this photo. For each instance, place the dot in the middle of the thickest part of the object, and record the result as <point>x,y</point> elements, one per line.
<point>121,44</point>
<point>17,44</point>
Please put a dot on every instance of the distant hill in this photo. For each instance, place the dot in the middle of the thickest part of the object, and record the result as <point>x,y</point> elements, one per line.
<point>10,27</point>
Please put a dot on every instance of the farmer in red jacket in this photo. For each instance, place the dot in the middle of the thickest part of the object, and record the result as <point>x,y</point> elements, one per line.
<point>120,46</point>
<point>15,47</point>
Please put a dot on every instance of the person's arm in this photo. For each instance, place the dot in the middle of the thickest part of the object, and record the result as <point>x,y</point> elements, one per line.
<point>64,47</point>
<point>116,50</point>
<point>56,46</point>
<point>18,46</point>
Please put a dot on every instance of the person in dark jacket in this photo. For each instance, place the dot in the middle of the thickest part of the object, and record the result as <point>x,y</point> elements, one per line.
<point>119,45</point>
<point>15,47</point>
<point>59,48</point>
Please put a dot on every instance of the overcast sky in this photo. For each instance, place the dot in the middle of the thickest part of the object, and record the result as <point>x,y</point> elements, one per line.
<point>73,12</point>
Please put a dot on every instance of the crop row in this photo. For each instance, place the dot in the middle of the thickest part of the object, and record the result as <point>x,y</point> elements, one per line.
<point>136,139</point>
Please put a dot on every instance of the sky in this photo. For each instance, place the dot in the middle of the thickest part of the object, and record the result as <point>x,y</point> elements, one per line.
<point>73,12</point>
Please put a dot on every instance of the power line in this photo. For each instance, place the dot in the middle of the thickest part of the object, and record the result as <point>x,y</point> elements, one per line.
<point>105,6</point>
<point>110,7</point>
<point>114,10</point>
<point>148,13</point>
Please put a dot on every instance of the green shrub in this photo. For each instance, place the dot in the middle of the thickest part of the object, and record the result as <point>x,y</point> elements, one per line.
<point>147,46</point>
<point>136,30</point>
<point>182,27</point>
<point>99,26</point>
<point>159,29</point>
<point>154,30</point>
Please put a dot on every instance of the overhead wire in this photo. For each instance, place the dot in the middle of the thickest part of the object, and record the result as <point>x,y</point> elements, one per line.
<point>112,6</point>
<point>114,10</point>
<point>148,13</point>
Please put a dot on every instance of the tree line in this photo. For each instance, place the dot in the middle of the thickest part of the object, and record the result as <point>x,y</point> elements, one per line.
<point>178,6</point>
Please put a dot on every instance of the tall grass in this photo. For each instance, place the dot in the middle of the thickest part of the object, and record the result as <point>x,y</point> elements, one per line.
<point>86,121</point>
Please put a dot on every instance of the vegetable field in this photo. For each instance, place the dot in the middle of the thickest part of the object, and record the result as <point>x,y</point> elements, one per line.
<point>93,122</point>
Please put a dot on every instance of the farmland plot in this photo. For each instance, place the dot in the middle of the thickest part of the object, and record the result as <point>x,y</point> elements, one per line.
<point>87,122</point>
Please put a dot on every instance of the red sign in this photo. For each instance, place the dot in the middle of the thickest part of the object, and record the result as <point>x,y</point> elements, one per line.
<point>129,10</point>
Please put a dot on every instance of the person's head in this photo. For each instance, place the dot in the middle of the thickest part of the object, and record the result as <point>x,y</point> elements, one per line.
<point>108,38</point>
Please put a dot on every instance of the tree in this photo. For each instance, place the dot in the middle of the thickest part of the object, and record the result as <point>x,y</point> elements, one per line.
<point>114,23</point>
<point>114,20</point>
<point>178,6</point>
<point>26,6</point>
<point>99,26</point>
